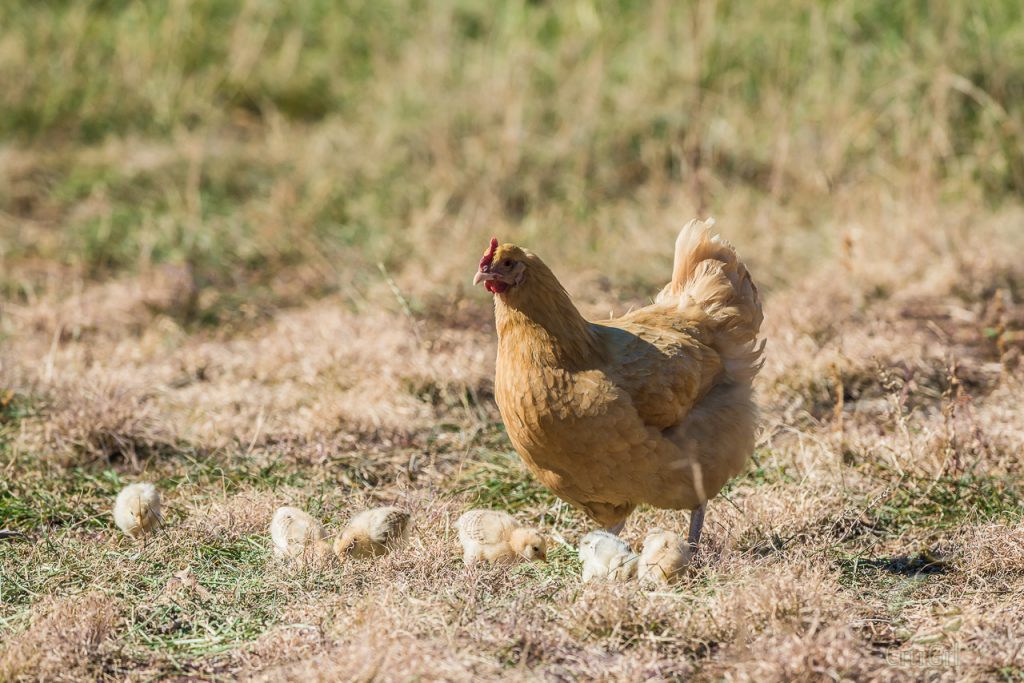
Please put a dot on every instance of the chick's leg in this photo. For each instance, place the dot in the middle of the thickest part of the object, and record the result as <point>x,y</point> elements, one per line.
<point>696,524</point>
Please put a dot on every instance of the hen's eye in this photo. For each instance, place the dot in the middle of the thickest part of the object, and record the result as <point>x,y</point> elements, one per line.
<point>507,263</point>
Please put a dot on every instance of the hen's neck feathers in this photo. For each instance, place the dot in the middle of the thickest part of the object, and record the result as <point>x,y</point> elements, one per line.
<point>538,321</point>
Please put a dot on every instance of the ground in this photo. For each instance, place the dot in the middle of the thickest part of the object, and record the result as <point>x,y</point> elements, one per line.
<point>236,247</point>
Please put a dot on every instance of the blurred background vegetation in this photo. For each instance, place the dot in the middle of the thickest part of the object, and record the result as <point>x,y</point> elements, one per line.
<point>281,151</point>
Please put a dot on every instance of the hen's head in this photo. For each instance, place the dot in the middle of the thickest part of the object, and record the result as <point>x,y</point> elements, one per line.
<point>502,267</point>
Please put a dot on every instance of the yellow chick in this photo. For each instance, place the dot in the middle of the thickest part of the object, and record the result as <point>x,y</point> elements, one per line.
<point>373,533</point>
<point>137,509</point>
<point>495,536</point>
<point>605,555</point>
<point>664,557</point>
<point>295,533</point>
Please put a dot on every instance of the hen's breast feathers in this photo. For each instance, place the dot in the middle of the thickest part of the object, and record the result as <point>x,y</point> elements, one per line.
<point>595,436</point>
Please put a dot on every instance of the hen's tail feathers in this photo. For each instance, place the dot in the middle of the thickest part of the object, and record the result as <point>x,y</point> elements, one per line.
<point>710,284</point>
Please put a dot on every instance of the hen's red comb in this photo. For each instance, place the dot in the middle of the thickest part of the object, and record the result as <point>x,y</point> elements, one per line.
<point>485,262</point>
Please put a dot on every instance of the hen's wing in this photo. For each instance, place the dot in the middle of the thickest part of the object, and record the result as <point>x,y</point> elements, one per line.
<point>659,360</point>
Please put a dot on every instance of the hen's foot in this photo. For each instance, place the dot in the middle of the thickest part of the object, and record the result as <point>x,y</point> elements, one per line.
<point>696,524</point>
<point>617,529</point>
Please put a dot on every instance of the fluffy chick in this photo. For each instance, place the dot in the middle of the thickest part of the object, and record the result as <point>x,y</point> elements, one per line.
<point>664,557</point>
<point>605,555</point>
<point>495,536</point>
<point>373,533</point>
<point>295,532</point>
<point>137,509</point>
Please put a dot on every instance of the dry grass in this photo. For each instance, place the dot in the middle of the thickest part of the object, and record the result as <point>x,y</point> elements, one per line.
<point>235,248</point>
<point>875,537</point>
<point>66,640</point>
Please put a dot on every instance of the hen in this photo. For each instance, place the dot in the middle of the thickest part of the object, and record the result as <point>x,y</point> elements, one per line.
<point>654,407</point>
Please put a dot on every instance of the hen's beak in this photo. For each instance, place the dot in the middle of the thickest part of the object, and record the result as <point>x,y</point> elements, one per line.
<point>481,276</point>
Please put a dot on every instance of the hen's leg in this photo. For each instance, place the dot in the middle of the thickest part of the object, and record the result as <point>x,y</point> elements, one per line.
<point>696,524</point>
<point>617,529</point>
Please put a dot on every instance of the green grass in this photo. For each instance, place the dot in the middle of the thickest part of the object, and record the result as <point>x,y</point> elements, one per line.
<point>66,519</point>
<point>914,516</point>
<point>943,503</point>
<point>65,499</point>
<point>364,141</point>
<point>499,480</point>
<point>13,407</point>
<point>240,604</point>
<point>766,469</point>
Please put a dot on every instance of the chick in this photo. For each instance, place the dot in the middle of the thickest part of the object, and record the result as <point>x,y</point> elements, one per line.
<point>664,557</point>
<point>605,555</point>
<point>373,533</point>
<point>496,536</point>
<point>137,509</point>
<point>295,533</point>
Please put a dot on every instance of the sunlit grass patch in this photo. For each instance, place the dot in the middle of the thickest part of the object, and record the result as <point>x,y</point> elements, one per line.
<point>232,600</point>
<point>500,480</point>
<point>49,500</point>
<point>945,502</point>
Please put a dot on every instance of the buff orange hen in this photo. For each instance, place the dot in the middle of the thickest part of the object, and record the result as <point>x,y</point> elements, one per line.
<point>654,407</point>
